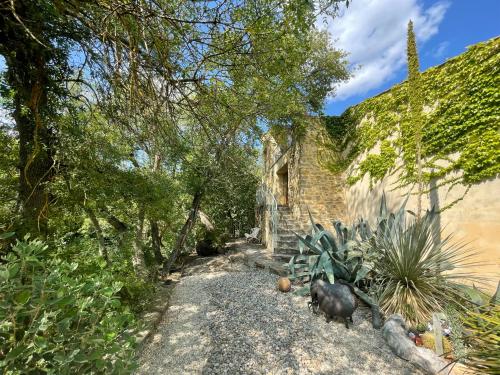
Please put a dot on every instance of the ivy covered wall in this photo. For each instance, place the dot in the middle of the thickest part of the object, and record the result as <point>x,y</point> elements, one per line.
<point>374,151</point>
<point>460,129</point>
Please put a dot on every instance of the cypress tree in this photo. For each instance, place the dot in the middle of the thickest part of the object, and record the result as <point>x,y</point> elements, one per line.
<point>416,101</point>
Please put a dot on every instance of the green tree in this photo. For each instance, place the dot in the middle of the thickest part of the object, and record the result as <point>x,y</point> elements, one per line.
<point>416,101</point>
<point>35,40</point>
<point>140,79</point>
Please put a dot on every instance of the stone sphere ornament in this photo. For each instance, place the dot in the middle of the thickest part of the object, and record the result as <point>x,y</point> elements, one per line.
<point>284,284</point>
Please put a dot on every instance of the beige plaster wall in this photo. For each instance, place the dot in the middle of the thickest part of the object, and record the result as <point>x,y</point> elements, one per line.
<point>473,218</point>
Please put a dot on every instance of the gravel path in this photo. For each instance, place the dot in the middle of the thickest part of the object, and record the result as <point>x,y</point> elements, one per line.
<point>224,322</point>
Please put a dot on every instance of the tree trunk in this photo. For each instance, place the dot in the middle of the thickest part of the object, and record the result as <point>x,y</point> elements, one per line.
<point>233,224</point>
<point>116,223</point>
<point>184,233</point>
<point>103,251</point>
<point>138,256</point>
<point>156,242</point>
<point>155,232</point>
<point>27,74</point>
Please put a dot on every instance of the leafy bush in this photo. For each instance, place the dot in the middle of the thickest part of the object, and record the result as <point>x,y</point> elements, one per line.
<point>135,291</point>
<point>56,320</point>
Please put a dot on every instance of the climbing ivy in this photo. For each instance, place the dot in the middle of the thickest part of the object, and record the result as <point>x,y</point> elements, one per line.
<point>376,164</point>
<point>460,126</point>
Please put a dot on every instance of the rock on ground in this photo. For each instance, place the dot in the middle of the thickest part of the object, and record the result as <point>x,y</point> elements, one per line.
<point>395,334</point>
<point>223,322</point>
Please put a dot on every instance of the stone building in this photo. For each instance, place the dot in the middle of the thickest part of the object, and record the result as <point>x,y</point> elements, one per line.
<point>297,177</point>
<point>297,185</point>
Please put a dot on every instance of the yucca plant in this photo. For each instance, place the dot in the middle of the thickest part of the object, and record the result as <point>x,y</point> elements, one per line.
<point>417,272</point>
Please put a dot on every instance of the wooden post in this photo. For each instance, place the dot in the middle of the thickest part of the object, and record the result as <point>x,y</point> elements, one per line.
<point>438,334</point>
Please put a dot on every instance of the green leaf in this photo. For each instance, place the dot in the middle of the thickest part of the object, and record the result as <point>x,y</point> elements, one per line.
<point>13,270</point>
<point>328,268</point>
<point>364,297</point>
<point>101,263</point>
<point>361,273</point>
<point>23,297</point>
<point>475,296</point>
<point>4,274</point>
<point>303,291</point>
<point>6,235</point>
<point>310,245</point>
<point>15,352</point>
<point>299,275</point>
<point>40,342</point>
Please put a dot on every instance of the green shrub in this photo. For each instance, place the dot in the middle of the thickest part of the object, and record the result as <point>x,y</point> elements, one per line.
<point>483,328</point>
<point>57,320</point>
<point>135,293</point>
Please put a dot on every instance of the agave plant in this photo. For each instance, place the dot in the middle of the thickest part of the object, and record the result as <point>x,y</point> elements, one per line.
<point>348,256</point>
<point>417,272</point>
<point>343,257</point>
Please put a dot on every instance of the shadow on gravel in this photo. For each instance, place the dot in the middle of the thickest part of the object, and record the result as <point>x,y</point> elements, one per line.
<point>254,329</point>
<point>248,329</point>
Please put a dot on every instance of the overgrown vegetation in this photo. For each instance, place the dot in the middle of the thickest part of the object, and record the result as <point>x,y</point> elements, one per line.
<point>460,124</point>
<point>415,101</point>
<point>400,265</point>
<point>483,336</point>
<point>417,271</point>
<point>122,121</point>
<point>57,319</point>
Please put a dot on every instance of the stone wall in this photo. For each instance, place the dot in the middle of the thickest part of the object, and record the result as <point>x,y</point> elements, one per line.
<point>461,138</point>
<point>321,192</point>
<point>462,126</point>
<point>311,186</point>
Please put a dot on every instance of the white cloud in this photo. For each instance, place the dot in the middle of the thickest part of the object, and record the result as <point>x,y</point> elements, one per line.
<point>441,49</point>
<point>373,32</point>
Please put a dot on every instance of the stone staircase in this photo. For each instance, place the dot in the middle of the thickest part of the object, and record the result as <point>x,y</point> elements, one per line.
<point>287,244</point>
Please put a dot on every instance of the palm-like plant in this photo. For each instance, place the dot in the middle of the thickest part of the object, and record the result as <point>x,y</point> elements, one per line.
<point>417,273</point>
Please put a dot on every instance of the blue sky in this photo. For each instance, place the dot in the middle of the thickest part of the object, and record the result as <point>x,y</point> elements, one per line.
<point>373,32</point>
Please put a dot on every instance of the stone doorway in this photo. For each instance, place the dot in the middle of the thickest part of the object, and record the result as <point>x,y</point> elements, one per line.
<point>283,185</point>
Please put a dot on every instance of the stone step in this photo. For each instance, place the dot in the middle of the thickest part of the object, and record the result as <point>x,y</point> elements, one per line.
<point>288,235</point>
<point>286,250</point>
<point>283,257</point>
<point>289,222</point>
<point>288,243</point>
<point>290,231</point>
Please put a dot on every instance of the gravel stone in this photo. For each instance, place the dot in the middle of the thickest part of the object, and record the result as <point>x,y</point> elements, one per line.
<point>226,322</point>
